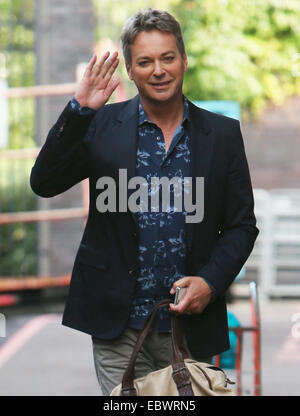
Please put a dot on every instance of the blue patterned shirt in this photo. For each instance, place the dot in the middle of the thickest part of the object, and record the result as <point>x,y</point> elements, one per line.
<point>162,246</point>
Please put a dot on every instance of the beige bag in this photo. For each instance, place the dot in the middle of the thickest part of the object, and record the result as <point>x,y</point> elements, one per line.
<point>183,377</point>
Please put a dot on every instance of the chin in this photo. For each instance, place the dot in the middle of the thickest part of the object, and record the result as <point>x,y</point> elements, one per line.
<point>163,96</point>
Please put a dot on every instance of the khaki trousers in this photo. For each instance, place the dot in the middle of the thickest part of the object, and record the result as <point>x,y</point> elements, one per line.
<point>111,357</point>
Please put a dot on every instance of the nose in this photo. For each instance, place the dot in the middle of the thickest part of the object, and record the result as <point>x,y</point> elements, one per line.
<point>158,69</point>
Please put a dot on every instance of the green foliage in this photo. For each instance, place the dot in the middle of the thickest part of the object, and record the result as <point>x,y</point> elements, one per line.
<point>112,14</point>
<point>241,50</point>
<point>17,241</point>
<point>22,121</point>
<point>18,58</point>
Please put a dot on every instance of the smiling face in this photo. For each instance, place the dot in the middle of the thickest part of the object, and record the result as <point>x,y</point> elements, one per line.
<point>157,67</point>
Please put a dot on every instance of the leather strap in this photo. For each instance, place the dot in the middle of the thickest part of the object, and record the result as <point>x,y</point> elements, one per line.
<point>180,373</point>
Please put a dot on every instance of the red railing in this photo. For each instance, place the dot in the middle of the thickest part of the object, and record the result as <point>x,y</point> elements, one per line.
<point>239,331</point>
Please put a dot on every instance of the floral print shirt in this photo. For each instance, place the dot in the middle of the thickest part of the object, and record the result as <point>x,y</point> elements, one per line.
<point>162,245</point>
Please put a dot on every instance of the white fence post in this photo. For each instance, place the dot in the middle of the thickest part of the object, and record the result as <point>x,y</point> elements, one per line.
<point>2,326</point>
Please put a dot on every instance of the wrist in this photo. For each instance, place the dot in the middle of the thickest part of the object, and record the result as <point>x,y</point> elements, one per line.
<point>210,289</point>
<point>82,103</point>
<point>78,108</point>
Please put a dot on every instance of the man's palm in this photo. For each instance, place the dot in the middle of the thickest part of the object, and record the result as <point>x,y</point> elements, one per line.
<point>97,85</point>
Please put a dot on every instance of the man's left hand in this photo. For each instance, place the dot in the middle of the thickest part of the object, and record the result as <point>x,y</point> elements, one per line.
<point>196,298</point>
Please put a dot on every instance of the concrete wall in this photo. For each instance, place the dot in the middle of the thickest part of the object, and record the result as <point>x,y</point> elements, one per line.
<point>273,146</point>
<point>64,38</point>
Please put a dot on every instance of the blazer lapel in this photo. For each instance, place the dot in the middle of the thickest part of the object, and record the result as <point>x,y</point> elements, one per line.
<point>125,143</point>
<point>202,140</point>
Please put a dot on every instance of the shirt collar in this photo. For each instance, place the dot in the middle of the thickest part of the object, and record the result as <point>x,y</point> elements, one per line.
<point>144,118</point>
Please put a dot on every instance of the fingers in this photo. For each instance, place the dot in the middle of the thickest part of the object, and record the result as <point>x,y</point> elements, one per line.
<point>111,69</point>
<point>181,282</point>
<point>185,301</point>
<point>105,64</point>
<point>182,306</point>
<point>89,68</point>
<point>111,86</point>
<point>110,66</point>
<point>92,63</point>
<point>100,64</point>
<point>104,68</point>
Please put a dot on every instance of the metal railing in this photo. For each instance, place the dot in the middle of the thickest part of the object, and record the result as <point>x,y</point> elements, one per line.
<point>240,331</point>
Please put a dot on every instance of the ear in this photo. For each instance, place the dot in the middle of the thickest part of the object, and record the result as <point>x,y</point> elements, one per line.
<point>129,71</point>
<point>185,62</point>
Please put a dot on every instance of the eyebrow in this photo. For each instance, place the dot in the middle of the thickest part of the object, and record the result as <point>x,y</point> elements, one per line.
<point>163,54</point>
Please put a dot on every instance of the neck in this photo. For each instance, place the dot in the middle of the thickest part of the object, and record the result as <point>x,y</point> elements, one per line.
<point>164,113</point>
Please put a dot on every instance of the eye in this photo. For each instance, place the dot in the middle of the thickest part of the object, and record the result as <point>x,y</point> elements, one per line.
<point>169,58</point>
<point>143,63</point>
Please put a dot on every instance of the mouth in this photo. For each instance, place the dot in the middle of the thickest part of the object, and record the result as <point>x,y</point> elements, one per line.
<point>160,85</point>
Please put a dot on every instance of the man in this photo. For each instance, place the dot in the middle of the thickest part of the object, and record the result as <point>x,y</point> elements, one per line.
<point>130,259</point>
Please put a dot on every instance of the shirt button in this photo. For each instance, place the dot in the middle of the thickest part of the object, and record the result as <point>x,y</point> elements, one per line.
<point>157,138</point>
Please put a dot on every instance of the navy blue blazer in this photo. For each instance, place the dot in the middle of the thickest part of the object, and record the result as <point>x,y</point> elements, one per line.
<point>106,265</point>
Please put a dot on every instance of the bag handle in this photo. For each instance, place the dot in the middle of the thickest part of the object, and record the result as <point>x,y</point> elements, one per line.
<point>180,373</point>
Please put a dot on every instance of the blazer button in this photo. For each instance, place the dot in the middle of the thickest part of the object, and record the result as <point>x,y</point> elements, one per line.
<point>134,234</point>
<point>131,271</point>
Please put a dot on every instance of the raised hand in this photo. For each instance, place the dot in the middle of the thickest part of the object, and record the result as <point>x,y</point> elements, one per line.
<point>97,85</point>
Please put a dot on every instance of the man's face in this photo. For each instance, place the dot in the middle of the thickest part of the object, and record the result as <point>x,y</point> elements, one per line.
<point>157,67</point>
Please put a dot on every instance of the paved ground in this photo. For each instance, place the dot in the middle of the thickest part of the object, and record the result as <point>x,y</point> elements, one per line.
<point>39,356</point>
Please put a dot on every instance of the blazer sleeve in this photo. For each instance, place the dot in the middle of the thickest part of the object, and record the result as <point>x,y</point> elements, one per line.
<point>238,229</point>
<point>62,161</point>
